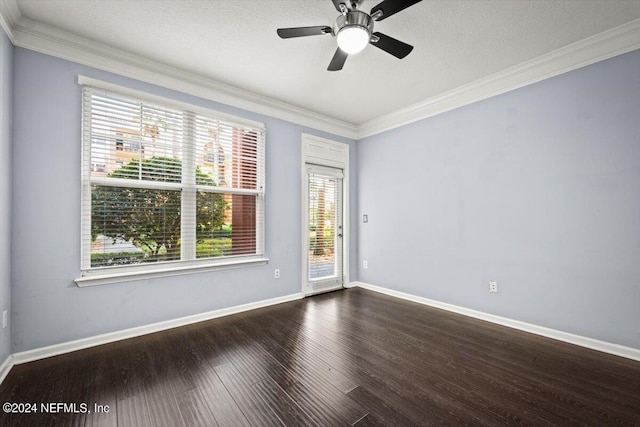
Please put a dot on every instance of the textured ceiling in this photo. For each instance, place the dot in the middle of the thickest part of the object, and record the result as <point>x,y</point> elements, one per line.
<point>235,42</point>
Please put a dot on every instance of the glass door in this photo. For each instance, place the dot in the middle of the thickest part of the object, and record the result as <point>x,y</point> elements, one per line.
<point>324,233</point>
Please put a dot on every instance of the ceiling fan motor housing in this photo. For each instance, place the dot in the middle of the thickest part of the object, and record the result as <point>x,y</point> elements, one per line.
<point>354,18</point>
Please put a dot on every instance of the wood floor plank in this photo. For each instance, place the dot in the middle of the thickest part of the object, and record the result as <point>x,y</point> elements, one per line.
<point>472,400</point>
<point>199,358</point>
<point>447,379</point>
<point>282,404</point>
<point>320,409</point>
<point>296,377</point>
<point>402,384</point>
<point>399,346</point>
<point>222,405</point>
<point>128,368</point>
<point>195,411</point>
<point>490,367</point>
<point>453,382</point>
<point>371,420</point>
<point>33,385</point>
<point>162,383</point>
<point>100,391</point>
<point>163,406</point>
<point>133,412</point>
<point>427,414</point>
<point>352,357</point>
<point>379,407</point>
<point>169,359</point>
<point>71,392</point>
<point>381,362</point>
<point>491,339</point>
<point>304,352</point>
<point>254,408</point>
<point>200,342</point>
<point>257,364</point>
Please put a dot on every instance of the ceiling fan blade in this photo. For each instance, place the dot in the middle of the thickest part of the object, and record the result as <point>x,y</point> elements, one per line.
<point>390,45</point>
<point>391,7</point>
<point>287,33</point>
<point>338,60</point>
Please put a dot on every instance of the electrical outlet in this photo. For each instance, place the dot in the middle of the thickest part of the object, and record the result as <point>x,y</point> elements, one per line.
<point>365,264</point>
<point>5,318</point>
<point>276,273</point>
<point>365,218</point>
<point>493,287</point>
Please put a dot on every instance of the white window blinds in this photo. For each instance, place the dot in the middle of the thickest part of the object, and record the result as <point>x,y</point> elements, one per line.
<point>166,184</point>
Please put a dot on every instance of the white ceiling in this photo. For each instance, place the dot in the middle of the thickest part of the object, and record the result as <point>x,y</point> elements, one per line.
<point>235,42</point>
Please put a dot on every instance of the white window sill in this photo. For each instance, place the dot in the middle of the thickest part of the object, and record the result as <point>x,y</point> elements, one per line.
<point>123,274</point>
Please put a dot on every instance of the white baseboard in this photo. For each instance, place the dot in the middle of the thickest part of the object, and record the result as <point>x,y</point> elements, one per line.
<point>603,346</point>
<point>67,347</point>
<point>6,367</point>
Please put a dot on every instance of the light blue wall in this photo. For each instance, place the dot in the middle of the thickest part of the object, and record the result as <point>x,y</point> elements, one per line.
<point>48,308</point>
<point>6,120</point>
<point>538,188</point>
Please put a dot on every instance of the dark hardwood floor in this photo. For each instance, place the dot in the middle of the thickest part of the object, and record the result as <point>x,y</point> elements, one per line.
<point>350,357</point>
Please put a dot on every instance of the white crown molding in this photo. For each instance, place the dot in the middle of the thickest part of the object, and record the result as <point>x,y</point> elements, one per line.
<point>45,39</point>
<point>603,346</point>
<point>9,15</point>
<point>610,43</point>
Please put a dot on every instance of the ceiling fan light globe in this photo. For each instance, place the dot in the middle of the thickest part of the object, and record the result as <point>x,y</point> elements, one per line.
<point>353,39</point>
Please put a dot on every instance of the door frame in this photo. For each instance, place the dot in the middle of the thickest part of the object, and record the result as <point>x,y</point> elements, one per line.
<point>324,152</point>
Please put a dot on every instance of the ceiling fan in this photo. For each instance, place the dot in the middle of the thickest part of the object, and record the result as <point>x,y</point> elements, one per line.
<point>354,30</point>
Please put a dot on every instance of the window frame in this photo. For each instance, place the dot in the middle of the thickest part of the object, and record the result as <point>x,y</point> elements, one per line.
<point>115,274</point>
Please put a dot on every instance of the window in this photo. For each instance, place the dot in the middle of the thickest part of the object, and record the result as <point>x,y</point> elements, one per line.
<point>168,185</point>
